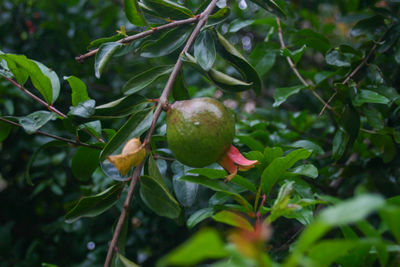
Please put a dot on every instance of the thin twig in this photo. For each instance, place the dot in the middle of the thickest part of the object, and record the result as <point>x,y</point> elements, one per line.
<point>72,142</point>
<point>49,107</point>
<point>309,85</point>
<point>162,104</point>
<point>365,61</point>
<point>140,35</point>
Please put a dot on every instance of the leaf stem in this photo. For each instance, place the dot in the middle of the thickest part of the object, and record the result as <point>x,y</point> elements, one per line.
<point>309,85</point>
<point>161,104</point>
<point>140,35</point>
<point>72,142</point>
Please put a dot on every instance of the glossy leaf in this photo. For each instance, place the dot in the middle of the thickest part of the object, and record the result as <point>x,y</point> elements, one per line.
<point>233,219</point>
<point>157,197</point>
<point>203,245</point>
<point>199,216</point>
<point>219,16</point>
<point>84,162</point>
<point>204,50</point>
<point>79,90</point>
<point>231,54</point>
<point>121,107</point>
<point>133,13</point>
<point>278,166</point>
<point>335,58</point>
<point>306,170</point>
<point>137,124</point>
<point>106,51</point>
<point>36,120</point>
<point>83,109</point>
<point>368,96</point>
<point>169,9</point>
<point>281,94</point>
<point>209,173</point>
<point>307,144</point>
<point>95,205</point>
<point>187,193</point>
<point>296,54</point>
<point>144,79</point>
<point>55,82</point>
<point>166,44</point>
<point>262,58</point>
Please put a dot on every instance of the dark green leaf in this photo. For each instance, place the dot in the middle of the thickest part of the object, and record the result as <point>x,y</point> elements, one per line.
<point>95,205</point>
<point>5,130</point>
<point>371,27</point>
<point>122,107</point>
<point>104,55</point>
<point>84,162</point>
<point>335,58</point>
<point>167,44</point>
<point>274,6</point>
<point>187,193</point>
<point>36,120</point>
<point>144,79</point>
<point>79,91</point>
<point>126,262</point>
<point>133,13</point>
<point>199,216</point>
<point>169,9</point>
<point>239,24</point>
<point>204,50</point>
<point>368,96</point>
<point>157,197</point>
<point>312,39</point>
<point>279,166</point>
<point>209,173</point>
<point>96,43</point>
<point>262,58</point>
<point>179,90</point>
<point>340,142</point>
<point>296,54</point>
<point>308,145</point>
<point>281,94</point>
<point>219,16</point>
<point>227,82</point>
<point>233,219</point>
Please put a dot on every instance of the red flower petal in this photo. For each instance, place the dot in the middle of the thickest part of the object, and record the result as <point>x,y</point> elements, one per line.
<point>238,158</point>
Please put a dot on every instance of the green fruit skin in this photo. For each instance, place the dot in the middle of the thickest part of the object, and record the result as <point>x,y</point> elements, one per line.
<point>199,131</point>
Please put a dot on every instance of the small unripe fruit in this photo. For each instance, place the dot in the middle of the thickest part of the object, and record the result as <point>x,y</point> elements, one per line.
<point>199,131</point>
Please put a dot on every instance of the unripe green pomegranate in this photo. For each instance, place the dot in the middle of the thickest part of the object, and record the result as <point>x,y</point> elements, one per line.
<point>199,131</point>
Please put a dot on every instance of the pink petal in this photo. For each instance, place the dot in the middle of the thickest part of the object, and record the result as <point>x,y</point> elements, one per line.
<point>238,158</point>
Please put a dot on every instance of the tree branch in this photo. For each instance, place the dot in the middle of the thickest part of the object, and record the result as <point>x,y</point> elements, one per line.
<point>162,104</point>
<point>365,61</point>
<point>140,35</point>
<point>72,142</point>
<point>49,107</point>
<point>310,85</point>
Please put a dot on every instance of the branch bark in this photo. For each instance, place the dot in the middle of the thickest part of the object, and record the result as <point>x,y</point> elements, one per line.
<point>162,104</point>
<point>310,85</point>
<point>72,142</point>
<point>140,35</point>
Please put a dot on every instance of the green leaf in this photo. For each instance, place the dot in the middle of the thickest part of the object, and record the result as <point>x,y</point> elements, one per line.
<point>279,166</point>
<point>391,217</point>
<point>157,197</point>
<point>227,82</point>
<point>187,193</point>
<point>154,171</point>
<point>281,204</point>
<point>296,54</point>
<point>219,16</point>
<point>204,50</point>
<point>144,79</point>
<point>271,153</point>
<point>209,173</point>
<point>262,58</point>
<point>166,44</point>
<point>5,130</point>
<point>340,141</point>
<point>308,145</point>
<point>306,170</point>
<point>203,245</point>
<point>199,216</point>
<point>169,9</point>
<point>352,210</point>
<point>252,143</point>
<point>79,91</point>
<point>233,219</point>
<point>312,39</point>
<point>218,186</point>
<point>84,162</point>
<point>335,58</point>
<point>371,27</point>
<point>36,120</point>
<point>137,124</point>
<point>179,90</point>
<point>274,6</point>
<point>106,51</point>
<point>133,13</point>
<point>121,107</point>
<point>243,182</point>
<point>239,24</point>
<point>231,54</point>
<point>126,262</point>
<point>23,68</point>
<point>55,82</point>
<point>368,96</point>
<point>95,205</point>
<point>96,43</point>
<point>281,94</point>
<point>83,109</point>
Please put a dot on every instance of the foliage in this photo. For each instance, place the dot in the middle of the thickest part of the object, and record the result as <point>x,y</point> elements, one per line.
<point>314,87</point>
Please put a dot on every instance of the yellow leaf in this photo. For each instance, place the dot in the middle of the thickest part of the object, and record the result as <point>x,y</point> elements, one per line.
<point>132,155</point>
